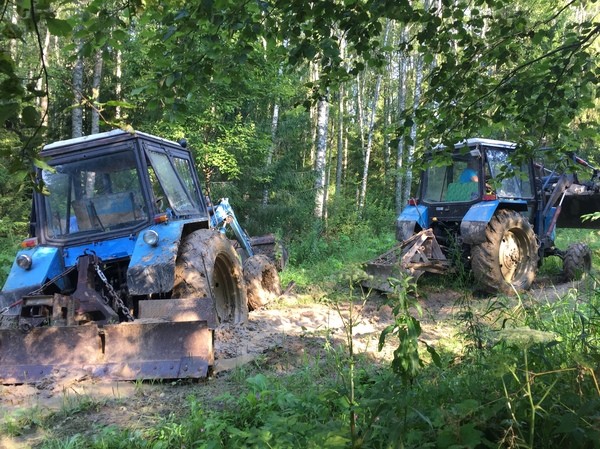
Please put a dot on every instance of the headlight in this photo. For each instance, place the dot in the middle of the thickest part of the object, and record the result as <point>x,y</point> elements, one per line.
<point>151,237</point>
<point>24,261</point>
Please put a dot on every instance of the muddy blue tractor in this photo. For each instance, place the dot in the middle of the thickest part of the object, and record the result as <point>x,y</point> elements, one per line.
<point>476,207</point>
<point>128,268</point>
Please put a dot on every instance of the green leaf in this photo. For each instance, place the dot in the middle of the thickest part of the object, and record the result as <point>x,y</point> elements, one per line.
<point>30,116</point>
<point>43,165</point>
<point>12,31</point>
<point>58,27</point>
<point>8,110</point>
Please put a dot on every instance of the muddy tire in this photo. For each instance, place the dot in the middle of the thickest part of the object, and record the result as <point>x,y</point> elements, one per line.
<point>577,261</point>
<point>262,281</point>
<point>507,260</point>
<point>208,265</point>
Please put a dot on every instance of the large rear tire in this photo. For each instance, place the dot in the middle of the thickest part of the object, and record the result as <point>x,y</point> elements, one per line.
<point>507,260</point>
<point>262,281</point>
<point>208,265</point>
<point>577,262</point>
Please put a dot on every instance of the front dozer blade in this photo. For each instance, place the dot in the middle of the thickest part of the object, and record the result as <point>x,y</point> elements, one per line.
<point>413,257</point>
<point>147,348</point>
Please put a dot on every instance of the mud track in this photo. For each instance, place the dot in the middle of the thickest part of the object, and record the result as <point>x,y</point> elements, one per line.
<point>286,335</point>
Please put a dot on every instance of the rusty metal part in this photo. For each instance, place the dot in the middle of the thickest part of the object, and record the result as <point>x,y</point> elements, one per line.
<point>89,301</point>
<point>127,351</point>
<point>419,254</point>
<point>118,305</point>
<point>46,310</point>
<point>172,340</point>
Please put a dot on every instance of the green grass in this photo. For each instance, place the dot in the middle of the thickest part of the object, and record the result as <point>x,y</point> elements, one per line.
<point>535,386</point>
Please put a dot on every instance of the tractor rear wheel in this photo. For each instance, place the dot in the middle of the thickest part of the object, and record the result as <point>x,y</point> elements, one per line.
<point>208,266</point>
<point>577,261</point>
<point>262,281</point>
<point>507,260</point>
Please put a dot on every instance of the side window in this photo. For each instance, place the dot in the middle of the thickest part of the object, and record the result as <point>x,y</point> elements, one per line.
<point>183,168</point>
<point>177,194</point>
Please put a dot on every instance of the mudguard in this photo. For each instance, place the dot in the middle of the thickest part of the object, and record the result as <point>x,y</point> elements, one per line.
<point>473,224</point>
<point>46,264</point>
<point>152,268</point>
<point>408,219</point>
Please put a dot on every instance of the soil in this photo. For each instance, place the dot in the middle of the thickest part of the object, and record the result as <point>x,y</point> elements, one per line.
<point>287,334</point>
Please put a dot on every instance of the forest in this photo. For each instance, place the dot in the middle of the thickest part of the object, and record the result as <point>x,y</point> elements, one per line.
<point>313,117</point>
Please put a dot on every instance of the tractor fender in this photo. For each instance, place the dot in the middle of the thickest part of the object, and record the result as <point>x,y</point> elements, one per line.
<point>152,268</point>
<point>473,224</point>
<point>409,218</point>
<point>46,263</point>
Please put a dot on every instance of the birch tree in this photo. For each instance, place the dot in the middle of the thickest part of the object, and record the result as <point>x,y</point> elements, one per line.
<point>371,130</point>
<point>96,81</point>
<point>321,156</point>
<point>402,92</point>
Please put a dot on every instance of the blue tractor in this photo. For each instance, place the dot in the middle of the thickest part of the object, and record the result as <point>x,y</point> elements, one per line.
<point>475,206</point>
<point>127,270</point>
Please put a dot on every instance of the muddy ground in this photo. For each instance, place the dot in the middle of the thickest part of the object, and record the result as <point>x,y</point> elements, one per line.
<point>286,335</point>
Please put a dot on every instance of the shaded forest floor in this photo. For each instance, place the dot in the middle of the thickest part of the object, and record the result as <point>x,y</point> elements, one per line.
<point>292,334</point>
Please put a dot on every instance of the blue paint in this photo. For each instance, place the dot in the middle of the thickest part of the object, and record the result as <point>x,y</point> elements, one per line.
<point>106,250</point>
<point>418,214</point>
<point>481,212</point>
<point>165,252</point>
<point>46,264</point>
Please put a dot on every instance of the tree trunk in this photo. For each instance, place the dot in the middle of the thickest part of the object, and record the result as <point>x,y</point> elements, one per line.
<point>271,151</point>
<point>340,143</point>
<point>77,111</point>
<point>96,81</point>
<point>360,112</point>
<point>118,86</point>
<point>340,166</point>
<point>413,130</point>
<point>320,156</point>
<point>369,146</point>
<point>42,83</point>
<point>402,91</point>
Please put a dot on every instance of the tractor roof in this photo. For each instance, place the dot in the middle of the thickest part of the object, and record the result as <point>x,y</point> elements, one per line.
<point>100,138</point>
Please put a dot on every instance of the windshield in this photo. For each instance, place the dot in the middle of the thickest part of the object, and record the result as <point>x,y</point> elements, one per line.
<point>94,194</point>
<point>458,182</point>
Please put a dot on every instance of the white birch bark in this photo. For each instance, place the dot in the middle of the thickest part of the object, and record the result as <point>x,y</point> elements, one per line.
<point>402,93</point>
<point>340,142</point>
<point>118,86</point>
<point>320,156</point>
<point>340,131</point>
<point>413,130</point>
<point>77,80</point>
<point>96,81</point>
<point>271,151</point>
<point>371,130</point>
<point>41,84</point>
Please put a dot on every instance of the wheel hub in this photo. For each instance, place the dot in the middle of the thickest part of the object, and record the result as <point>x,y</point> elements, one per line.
<point>510,255</point>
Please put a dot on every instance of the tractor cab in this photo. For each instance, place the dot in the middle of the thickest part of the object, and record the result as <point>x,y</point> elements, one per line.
<point>477,171</point>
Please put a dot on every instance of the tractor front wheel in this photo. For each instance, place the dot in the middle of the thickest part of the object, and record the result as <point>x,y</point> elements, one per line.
<point>208,266</point>
<point>507,260</point>
<point>577,261</point>
<point>262,281</point>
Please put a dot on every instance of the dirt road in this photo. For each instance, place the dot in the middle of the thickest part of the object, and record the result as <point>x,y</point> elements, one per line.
<point>286,335</point>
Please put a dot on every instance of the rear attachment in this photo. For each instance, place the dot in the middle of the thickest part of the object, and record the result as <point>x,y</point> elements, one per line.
<point>419,254</point>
